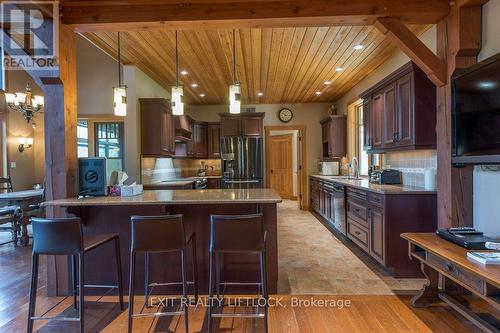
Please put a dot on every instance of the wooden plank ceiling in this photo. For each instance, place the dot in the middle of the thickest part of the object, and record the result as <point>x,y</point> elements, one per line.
<point>286,65</point>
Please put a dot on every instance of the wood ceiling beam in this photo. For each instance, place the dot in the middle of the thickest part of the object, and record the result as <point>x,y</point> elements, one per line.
<point>144,15</point>
<point>414,48</point>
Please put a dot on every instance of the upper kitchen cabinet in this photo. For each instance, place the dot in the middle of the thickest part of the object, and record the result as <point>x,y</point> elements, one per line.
<point>213,140</point>
<point>200,139</point>
<point>334,136</point>
<point>244,124</point>
<point>157,127</point>
<point>400,112</point>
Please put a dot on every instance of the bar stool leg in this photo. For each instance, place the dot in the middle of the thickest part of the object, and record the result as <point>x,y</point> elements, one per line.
<point>146,279</point>
<point>131,290</point>
<point>74,266</point>
<point>263,278</point>
<point>119,272</point>
<point>217,273</point>
<point>210,291</point>
<point>34,283</point>
<point>195,269</point>
<point>184,291</point>
<point>81,290</point>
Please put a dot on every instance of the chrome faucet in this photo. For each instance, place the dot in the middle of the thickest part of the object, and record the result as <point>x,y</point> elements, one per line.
<point>354,172</point>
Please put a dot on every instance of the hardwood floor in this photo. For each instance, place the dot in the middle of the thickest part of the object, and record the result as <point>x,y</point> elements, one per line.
<point>367,313</point>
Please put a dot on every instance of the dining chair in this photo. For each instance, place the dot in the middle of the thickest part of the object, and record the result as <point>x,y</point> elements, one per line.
<point>10,216</point>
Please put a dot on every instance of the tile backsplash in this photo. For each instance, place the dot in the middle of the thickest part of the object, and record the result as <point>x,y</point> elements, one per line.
<point>412,164</point>
<point>154,170</point>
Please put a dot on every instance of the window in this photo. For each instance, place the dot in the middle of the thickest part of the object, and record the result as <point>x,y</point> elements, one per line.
<point>109,143</point>
<point>82,135</point>
<point>362,154</point>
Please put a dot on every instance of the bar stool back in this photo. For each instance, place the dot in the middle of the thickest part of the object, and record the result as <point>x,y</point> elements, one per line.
<point>157,234</point>
<point>64,236</point>
<point>236,234</point>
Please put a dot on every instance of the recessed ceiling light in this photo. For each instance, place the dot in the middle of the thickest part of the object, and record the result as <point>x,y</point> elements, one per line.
<point>318,93</point>
<point>260,94</point>
<point>184,72</point>
<point>358,47</point>
<point>194,85</point>
<point>339,69</point>
<point>202,95</point>
<point>326,83</point>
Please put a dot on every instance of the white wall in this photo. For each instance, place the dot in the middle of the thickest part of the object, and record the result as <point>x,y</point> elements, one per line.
<point>97,75</point>
<point>487,183</point>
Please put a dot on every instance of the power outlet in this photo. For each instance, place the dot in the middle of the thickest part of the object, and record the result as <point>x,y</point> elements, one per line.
<point>13,165</point>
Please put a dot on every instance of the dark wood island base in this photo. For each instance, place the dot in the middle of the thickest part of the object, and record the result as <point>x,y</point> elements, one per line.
<point>112,215</point>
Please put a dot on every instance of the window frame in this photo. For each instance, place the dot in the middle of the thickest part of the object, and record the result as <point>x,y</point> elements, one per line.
<point>121,139</point>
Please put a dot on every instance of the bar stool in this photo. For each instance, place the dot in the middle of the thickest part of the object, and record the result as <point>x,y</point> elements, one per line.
<point>236,234</point>
<point>159,234</point>
<point>64,236</point>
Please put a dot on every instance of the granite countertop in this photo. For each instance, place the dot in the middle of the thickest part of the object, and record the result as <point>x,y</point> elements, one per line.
<point>364,184</point>
<point>176,197</point>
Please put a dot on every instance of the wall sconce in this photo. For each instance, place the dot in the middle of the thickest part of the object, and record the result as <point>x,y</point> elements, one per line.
<point>25,143</point>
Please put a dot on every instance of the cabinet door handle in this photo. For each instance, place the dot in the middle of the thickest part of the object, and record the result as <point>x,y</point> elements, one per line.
<point>357,233</point>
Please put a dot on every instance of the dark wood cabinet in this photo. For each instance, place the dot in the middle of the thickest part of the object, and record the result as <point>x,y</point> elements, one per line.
<point>400,112</point>
<point>200,140</point>
<point>377,237</point>
<point>376,220</point>
<point>245,124</point>
<point>183,128</point>
<point>334,136</point>
<point>213,183</point>
<point>157,127</point>
<point>213,140</point>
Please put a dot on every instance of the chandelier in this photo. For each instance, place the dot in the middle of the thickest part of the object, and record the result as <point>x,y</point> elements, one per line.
<point>26,103</point>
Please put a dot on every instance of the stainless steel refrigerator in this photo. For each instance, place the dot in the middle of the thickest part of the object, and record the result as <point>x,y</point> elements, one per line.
<point>242,162</point>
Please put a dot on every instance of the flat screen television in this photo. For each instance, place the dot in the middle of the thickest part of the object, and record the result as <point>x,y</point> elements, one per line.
<point>476,114</point>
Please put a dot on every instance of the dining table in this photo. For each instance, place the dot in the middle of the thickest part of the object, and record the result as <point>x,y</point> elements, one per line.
<point>26,201</point>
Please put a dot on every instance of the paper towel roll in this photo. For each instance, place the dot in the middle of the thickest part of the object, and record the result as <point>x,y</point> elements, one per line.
<point>430,179</point>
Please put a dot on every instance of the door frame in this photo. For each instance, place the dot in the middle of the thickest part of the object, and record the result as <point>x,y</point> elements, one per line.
<point>302,159</point>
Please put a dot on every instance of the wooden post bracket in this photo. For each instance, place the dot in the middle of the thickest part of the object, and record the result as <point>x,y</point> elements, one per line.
<point>398,33</point>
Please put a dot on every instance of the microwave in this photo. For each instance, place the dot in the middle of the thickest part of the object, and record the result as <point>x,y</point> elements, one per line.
<point>329,168</point>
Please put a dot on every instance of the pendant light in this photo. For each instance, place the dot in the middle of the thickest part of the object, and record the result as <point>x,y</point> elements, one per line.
<point>234,89</point>
<point>177,90</point>
<point>120,92</point>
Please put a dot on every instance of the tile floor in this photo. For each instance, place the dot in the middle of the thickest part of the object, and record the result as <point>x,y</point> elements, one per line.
<point>313,261</point>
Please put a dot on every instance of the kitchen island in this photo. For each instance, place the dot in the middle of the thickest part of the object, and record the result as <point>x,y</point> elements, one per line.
<point>102,215</point>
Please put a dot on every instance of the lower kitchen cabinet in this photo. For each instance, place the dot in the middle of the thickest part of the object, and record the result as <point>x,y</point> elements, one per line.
<point>213,183</point>
<point>376,220</point>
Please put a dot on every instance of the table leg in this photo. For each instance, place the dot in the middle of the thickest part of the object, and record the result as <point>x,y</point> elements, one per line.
<point>429,293</point>
<point>24,229</point>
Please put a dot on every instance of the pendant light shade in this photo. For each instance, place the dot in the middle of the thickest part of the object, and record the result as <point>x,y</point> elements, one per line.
<point>177,101</point>
<point>177,94</point>
<point>120,101</point>
<point>234,89</point>
<point>120,92</point>
<point>234,99</point>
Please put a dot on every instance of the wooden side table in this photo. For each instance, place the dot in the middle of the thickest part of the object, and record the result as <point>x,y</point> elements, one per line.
<point>441,260</point>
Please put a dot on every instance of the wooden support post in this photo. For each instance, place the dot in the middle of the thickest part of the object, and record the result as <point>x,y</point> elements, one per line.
<point>414,48</point>
<point>458,44</point>
<point>61,147</point>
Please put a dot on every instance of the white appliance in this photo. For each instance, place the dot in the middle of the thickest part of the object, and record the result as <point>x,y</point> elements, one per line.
<point>329,168</point>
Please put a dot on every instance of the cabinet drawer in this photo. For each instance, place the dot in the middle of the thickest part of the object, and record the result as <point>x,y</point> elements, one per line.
<point>376,199</point>
<point>357,194</point>
<point>458,273</point>
<point>357,212</point>
<point>357,234</point>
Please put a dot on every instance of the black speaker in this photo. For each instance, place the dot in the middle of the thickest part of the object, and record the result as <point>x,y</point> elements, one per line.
<point>92,177</point>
